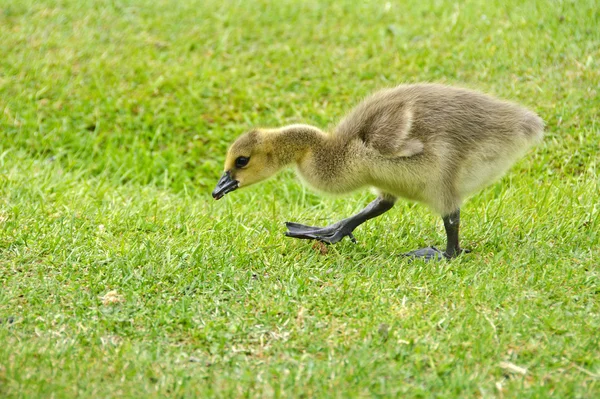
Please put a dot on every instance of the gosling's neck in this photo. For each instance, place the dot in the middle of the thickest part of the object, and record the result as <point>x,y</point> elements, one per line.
<point>322,160</point>
<point>293,143</point>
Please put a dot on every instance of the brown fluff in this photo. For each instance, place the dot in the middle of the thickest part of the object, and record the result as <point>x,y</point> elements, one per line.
<point>426,142</point>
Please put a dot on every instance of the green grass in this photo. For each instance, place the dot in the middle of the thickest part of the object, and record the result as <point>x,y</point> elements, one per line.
<point>114,121</point>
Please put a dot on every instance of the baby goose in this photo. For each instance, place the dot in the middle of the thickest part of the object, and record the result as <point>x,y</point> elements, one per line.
<point>429,143</point>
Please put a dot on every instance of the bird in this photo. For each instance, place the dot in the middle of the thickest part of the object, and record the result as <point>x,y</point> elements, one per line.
<point>431,143</point>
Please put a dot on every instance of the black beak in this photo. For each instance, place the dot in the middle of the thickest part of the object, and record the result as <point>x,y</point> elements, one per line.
<point>225,185</point>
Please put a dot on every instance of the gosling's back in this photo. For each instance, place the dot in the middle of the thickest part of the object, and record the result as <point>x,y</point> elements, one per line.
<point>434,112</point>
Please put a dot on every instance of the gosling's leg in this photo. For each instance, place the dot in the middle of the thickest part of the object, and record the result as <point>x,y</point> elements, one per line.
<point>451,224</point>
<point>335,232</point>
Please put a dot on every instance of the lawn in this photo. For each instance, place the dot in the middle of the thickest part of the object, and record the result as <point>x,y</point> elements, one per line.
<point>121,277</point>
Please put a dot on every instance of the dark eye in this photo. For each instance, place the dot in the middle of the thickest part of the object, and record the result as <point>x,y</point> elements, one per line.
<point>240,162</point>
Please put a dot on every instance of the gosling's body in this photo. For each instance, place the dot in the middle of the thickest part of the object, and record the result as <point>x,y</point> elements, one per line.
<point>429,143</point>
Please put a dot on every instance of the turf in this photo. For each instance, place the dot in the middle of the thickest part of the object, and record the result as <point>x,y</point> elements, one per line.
<point>121,277</point>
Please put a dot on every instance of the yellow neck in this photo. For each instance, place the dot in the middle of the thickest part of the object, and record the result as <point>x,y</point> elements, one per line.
<point>290,144</point>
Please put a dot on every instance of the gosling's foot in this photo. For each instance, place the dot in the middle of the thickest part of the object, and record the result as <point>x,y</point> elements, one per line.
<point>427,254</point>
<point>330,234</point>
<point>432,253</point>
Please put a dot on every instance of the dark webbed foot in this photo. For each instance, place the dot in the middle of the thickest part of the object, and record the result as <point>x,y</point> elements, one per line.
<point>330,234</point>
<point>432,253</point>
<point>335,232</point>
<point>427,254</point>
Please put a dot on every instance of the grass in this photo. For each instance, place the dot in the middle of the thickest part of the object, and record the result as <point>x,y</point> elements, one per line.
<point>122,278</point>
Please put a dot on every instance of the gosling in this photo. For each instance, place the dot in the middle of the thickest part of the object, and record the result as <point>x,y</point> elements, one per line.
<point>429,143</point>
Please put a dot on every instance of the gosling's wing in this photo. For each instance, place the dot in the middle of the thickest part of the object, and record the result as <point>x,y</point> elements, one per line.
<point>389,131</point>
<point>383,122</point>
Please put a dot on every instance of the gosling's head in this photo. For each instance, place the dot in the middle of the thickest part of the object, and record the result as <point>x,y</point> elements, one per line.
<point>250,159</point>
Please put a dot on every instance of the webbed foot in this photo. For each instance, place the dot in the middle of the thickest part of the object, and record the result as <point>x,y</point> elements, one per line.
<point>427,254</point>
<point>432,253</point>
<point>330,234</point>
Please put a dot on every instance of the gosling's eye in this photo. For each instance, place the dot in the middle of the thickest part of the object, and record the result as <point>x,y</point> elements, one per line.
<point>240,162</point>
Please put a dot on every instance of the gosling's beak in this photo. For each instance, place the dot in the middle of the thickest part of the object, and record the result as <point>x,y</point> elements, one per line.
<point>225,185</point>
